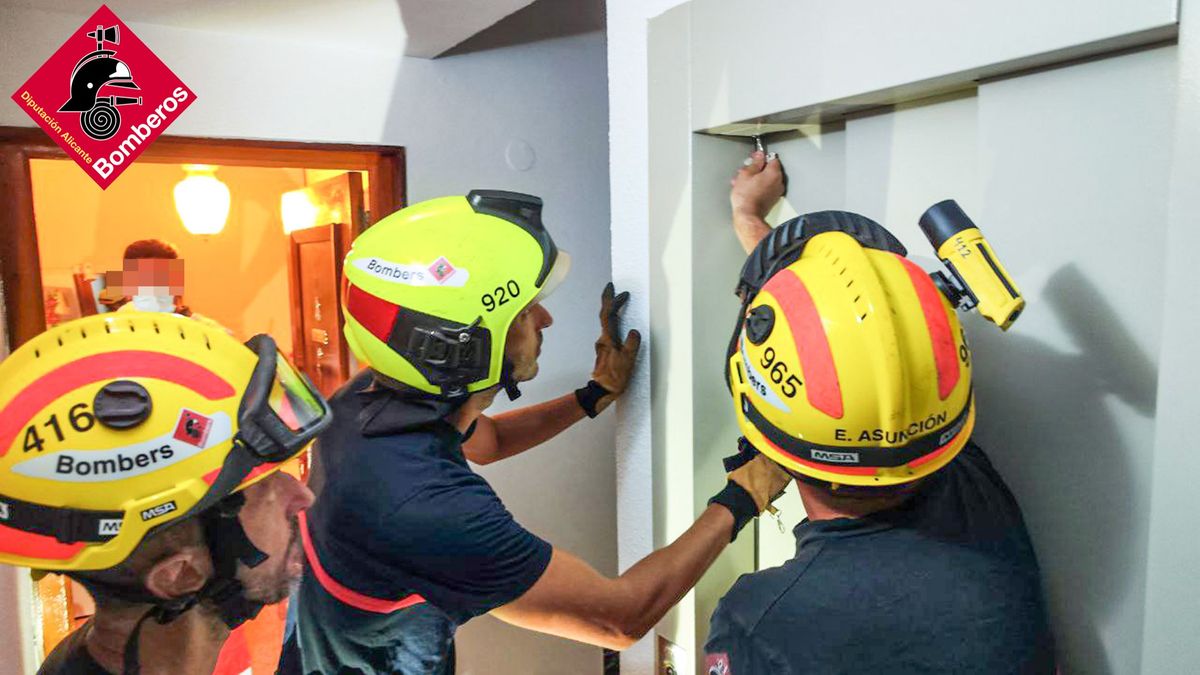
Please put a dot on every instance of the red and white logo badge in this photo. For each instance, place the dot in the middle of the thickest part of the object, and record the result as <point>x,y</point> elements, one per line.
<point>441,270</point>
<point>192,428</point>
<point>104,96</point>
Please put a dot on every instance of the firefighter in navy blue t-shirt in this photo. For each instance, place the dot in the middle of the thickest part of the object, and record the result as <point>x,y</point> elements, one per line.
<point>405,541</point>
<point>849,369</point>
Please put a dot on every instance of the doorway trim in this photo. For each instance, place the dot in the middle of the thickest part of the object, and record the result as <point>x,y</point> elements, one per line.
<point>20,267</point>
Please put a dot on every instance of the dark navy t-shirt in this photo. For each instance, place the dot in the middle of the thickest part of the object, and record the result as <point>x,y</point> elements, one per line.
<point>399,513</point>
<point>946,583</point>
<point>71,657</point>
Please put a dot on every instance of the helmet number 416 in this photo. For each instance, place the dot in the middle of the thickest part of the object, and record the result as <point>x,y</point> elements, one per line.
<point>78,416</point>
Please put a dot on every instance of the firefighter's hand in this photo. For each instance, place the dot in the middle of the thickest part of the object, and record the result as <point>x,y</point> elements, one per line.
<point>754,482</point>
<point>614,357</point>
<point>763,479</point>
<point>757,186</point>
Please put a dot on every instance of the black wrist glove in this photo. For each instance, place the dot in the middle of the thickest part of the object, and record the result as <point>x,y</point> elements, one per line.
<point>754,482</point>
<point>739,502</point>
<point>589,395</point>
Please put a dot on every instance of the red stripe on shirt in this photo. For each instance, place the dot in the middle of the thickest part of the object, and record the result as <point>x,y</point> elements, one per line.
<point>343,594</point>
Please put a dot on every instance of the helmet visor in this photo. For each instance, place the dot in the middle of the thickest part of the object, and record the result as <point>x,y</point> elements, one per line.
<point>281,411</point>
<point>558,273</point>
<point>292,399</point>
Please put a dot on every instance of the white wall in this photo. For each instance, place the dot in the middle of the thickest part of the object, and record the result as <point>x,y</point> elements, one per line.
<point>455,117</point>
<point>644,469</point>
<point>672,299</point>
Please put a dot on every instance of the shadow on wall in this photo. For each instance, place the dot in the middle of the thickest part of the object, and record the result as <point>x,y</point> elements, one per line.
<point>540,20</point>
<point>1048,420</point>
<point>530,22</point>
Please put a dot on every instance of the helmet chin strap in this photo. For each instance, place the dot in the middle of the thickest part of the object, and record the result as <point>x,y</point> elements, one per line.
<point>228,545</point>
<point>508,382</point>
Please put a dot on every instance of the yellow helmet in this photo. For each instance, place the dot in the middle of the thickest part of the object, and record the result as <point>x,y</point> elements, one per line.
<point>432,289</point>
<point>114,425</point>
<point>848,366</point>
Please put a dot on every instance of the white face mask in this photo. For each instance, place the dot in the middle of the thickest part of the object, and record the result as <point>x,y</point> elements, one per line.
<point>149,299</point>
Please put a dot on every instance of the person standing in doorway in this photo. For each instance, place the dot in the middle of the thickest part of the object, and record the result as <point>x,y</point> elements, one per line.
<point>151,279</point>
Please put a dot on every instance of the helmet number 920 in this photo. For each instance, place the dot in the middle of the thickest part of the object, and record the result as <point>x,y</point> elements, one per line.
<point>501,295</point>
<point>78,417</point>
<point>778,372</point>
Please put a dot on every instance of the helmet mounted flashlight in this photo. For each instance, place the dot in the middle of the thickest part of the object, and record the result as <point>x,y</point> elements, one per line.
<point>977,280</point>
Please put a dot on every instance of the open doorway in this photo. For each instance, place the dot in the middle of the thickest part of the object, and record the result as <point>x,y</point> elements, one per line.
<point>273,266</point>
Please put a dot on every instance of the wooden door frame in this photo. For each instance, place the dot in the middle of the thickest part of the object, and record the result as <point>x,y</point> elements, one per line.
<point>339,236</point>
<point>20,268</point>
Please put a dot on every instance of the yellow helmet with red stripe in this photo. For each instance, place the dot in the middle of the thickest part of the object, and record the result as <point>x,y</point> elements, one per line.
<point>848,366</point>
<point>116,424</point>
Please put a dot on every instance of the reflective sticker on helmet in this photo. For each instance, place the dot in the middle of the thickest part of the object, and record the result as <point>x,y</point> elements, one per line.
<point>3,511</point>
<point>441,269</point>
<point>438,273</point>
<point>110,365</point>
<point>97,466</point>
<point>760,384</point>
<point>192,428</point>
<point>945,352</point>
<point>812,344</point>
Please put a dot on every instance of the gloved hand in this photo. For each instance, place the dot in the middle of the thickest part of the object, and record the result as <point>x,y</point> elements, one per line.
<point>614,357</point>
<point>762,479</point>
<point>753,483</point>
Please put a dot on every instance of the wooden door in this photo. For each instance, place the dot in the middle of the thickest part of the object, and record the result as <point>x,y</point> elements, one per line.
<point>315,267</point>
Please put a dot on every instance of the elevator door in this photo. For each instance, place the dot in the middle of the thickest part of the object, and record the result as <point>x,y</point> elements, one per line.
<point>1067,171</point>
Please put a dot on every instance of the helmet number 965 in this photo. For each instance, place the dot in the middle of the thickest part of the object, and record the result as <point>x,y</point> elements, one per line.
<point>78,418</point>
<point>501,295</point>
<point>778,372</point>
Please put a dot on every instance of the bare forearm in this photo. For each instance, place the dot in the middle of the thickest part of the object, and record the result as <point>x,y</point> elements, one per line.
<point>520,430</point>
<point>660,580</point>
<point>750,229</point>
<point>573,600</point>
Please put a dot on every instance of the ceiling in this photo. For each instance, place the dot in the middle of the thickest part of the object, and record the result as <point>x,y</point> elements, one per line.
<point>425,28</point>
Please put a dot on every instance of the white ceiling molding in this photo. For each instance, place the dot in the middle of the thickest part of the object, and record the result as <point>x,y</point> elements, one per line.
<point>424,28</point>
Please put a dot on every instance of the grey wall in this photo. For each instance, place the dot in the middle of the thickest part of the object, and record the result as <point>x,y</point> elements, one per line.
<point>456,117</point>
<point>1172,595</point>
<point>552,96</point>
